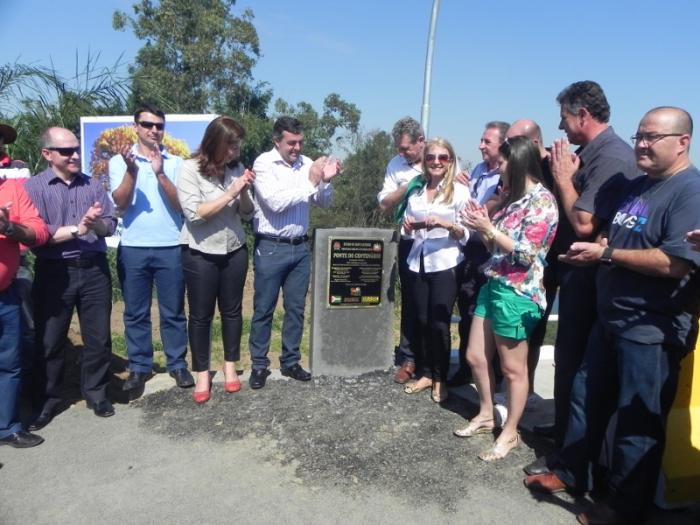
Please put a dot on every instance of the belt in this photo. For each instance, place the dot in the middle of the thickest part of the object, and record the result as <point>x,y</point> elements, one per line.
<point>284,240</point>
<point>77,262</point>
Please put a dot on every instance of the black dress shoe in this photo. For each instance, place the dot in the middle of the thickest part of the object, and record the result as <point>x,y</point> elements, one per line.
<point>182,377</point>
<point>296,372</point>
<point>22,439</point>
<point>537,467</point>
<point>135,381</point>
<point>42,420</point>
<point>545,431</point>
<point>103,408</point>
<point>258,376</point>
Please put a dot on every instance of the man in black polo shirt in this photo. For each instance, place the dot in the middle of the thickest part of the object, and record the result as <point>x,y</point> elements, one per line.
<point>648,299</point>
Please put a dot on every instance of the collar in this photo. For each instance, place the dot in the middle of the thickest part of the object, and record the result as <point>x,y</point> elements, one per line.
<point>52,178</point>
<point>278,158</point>
<point>592,148</point>
<point>135,150</point>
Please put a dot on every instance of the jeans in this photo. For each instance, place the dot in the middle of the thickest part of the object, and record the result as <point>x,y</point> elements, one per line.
<point>213,279</point>
<point>434,296</point>
<point>58,289</point>
<point>139,269</point>
<point>278,266</point>
<point>639,382</point>
<point>10,361</point>
<point>577,315</point>
<point>404,352</point>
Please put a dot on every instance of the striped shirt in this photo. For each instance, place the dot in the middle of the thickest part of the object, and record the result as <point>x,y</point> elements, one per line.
<point>283,194</point>
<point>61,204</point>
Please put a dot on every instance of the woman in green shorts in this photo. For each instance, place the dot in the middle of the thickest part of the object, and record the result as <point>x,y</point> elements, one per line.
<point>512,301</point>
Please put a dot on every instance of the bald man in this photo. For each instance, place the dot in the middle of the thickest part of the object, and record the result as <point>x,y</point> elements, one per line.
<point>71,271</point>
<point>648,291</point>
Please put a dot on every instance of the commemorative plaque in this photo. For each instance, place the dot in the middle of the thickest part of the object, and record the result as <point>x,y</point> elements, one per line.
<point>355,272</point>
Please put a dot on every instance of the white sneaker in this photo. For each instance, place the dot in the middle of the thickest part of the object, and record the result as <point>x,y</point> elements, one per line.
<point>500,414</point>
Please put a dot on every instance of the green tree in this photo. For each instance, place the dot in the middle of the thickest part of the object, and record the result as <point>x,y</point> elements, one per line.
<point>197,58</point>
<point>355,190</point>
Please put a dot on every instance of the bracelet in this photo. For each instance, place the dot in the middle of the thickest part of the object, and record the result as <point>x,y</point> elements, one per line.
<point>491,234</point>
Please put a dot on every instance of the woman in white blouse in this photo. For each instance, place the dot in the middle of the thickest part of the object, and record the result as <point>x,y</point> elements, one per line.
<point>432,214</point>
<point>213,191</point>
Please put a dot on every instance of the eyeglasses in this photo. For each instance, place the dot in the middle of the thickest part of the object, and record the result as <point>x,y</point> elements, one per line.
<point>65,152</point>
<point>651,138</point>
<point>441,158</point>
<point>160,126</point>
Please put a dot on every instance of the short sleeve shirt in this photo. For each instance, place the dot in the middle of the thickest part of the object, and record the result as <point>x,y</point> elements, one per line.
<point>655,214</point>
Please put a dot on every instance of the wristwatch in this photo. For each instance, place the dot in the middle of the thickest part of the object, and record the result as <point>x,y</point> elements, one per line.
<point>74,232</point>
<point>606,256</point>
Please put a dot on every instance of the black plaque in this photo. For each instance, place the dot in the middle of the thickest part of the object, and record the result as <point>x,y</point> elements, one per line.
<point>355,272</point>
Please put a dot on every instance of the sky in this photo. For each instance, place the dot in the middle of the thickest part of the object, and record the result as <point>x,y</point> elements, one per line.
<point>493,60</point>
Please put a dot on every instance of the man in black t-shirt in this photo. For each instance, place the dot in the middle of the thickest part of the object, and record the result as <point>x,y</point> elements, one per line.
<point>648,303</point>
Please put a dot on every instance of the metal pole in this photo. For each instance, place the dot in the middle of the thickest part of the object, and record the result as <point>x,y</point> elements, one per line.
<point>425,111</point>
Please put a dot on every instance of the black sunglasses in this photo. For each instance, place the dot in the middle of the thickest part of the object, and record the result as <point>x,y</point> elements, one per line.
<point>65,152</point>
<point>160,126</point>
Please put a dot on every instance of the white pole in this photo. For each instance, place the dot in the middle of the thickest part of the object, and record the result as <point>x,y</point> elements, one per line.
<point>425,111</point>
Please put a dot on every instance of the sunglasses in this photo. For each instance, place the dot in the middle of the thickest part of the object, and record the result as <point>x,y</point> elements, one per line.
<point>160,126</point>
<point>441,158</point>
<point>65,152</point>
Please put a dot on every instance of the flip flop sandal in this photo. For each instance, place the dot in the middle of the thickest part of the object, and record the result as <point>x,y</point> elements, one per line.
<point>475,427</point>
<point>500,450</point>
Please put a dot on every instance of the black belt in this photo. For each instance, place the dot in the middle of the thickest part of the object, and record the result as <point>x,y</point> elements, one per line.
<point>284,240</point>
<point>78,262</point>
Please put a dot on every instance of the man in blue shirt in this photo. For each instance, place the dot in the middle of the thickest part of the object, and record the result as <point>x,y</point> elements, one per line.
<point>142,179</point>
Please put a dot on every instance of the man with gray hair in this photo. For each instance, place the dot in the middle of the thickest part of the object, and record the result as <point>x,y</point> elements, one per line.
<point>409,139</point>
<point>483,184</point>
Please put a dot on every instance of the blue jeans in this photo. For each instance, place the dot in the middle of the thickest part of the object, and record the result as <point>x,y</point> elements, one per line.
<point>10,361</point>
<point>139,269</point>
<point>278,266</point>
<point>639,382</point>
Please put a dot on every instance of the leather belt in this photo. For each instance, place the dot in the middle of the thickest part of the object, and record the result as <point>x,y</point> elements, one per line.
<point>284,240</point>
<point>78,262</point>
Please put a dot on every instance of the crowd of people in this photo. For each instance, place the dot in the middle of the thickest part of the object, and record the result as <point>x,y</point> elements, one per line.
<point>614,230</point>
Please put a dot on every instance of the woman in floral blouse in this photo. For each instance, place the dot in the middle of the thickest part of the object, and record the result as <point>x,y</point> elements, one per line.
<point>512,301</point>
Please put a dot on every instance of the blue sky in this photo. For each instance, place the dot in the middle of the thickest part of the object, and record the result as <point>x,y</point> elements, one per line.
<point>493,60</point>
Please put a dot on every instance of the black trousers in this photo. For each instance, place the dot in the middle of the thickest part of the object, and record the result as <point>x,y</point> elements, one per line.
<point>471,279</point>
<point>434,297</point>
<point>58,288</point>
<point>404,352</point>
<point>212,279</point>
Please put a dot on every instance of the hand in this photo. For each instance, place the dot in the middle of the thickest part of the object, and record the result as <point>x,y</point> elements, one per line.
<point>432,222</point>
<point>156,159</point>
<point>463,177</point>
<point>564,164</point>
<point>242,183</point>
<point>316,171</point>
<point>5,215</point>
<point>89,220</point>
<point>331,168</point>
<point>584,253</point>
<point>693,237</point>
<point>476,217</point>
<point>128,156</point>
<point>408,223</point>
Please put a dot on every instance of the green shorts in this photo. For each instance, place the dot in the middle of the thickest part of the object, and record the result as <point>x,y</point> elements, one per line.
<point>511,315</point>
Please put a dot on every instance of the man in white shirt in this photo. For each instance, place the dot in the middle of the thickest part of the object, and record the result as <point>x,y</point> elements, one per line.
<point>483,183</point>
<point>286,184</point>
<point>409,139</point>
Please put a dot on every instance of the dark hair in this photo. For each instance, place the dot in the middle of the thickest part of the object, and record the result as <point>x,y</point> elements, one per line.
<point>407,126</point>
<point>220,134</point>
<point>585,94</point>
<point>288,124</point>
<point>523,159</point>
<point>148,108</point>
<point>501,126</point>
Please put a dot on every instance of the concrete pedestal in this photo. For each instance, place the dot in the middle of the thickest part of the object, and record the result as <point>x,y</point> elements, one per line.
<point>348,339</point>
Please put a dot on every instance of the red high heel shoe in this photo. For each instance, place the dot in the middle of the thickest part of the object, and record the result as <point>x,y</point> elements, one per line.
<point>231,387</point>
<point>202,397</point>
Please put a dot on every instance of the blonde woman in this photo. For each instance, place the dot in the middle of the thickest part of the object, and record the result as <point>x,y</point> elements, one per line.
<point>432,213</point>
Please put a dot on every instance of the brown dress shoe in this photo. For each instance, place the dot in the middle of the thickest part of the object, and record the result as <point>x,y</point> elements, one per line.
<point>405,373</point>
<point>548,483</point>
